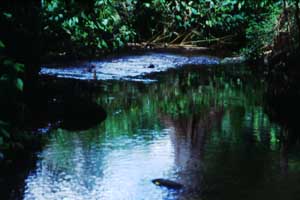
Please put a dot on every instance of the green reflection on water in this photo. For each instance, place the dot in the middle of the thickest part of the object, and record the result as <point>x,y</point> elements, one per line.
<point>218,118</point>
<point>189,92</point>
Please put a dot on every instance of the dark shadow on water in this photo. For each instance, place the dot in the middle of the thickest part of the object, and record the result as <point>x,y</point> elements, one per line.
<point>64,104</point>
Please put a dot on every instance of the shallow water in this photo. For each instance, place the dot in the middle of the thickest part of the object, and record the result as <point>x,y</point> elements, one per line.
<point>202,126</point>
<point>127,67</point>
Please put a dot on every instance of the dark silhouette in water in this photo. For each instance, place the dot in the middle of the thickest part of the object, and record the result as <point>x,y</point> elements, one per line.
<point>91,68</point>
<point>167,183</point>
<point>151,66</point>
<point>94,74</point>
<point>63,103</point>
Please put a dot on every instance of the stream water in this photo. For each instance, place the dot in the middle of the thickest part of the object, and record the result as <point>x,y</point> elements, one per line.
<point>130,67</point>
<point>204,126</point>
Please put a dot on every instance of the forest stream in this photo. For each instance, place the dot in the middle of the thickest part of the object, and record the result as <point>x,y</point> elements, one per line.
<point>177,117</point>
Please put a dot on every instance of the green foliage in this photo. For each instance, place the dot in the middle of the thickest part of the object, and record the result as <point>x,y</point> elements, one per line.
<point>10,73</point>
<point>275,31</point>
<point>96,27</point>
<point>90,31</point>
<point>225,15</point>
<point>11,85</point>
<point>260,33</point>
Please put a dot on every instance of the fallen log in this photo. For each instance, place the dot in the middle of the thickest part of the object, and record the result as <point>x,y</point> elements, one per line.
<point>167,46</point>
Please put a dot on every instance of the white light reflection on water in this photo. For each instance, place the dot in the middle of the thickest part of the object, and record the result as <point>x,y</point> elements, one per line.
<point>103,171</point>
<point>129,67</point>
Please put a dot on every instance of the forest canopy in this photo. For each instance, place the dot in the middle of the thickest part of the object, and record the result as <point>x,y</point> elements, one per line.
<point>89,28</point>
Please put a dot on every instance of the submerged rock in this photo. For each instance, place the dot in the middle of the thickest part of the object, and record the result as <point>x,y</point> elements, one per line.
<point>151,66</point>
<point>167,183</point>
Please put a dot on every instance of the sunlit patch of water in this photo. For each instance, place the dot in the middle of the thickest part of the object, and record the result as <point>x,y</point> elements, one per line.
<point>115,168</point>
<point>127,68</point>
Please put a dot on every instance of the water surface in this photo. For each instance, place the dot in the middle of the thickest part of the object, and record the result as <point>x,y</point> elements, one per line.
<point>202,126</point>
<point>131,67</point>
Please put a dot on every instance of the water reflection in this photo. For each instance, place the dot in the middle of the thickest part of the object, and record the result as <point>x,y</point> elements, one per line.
<point>101,170</point>
<point>202,127</point>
